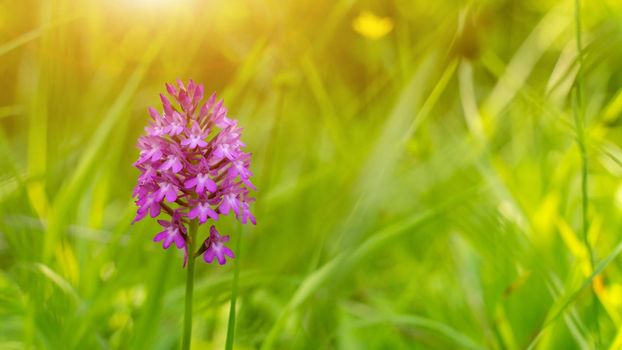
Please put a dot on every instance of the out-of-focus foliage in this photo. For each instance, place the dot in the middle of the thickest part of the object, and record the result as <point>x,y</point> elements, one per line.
<point>418,173</point>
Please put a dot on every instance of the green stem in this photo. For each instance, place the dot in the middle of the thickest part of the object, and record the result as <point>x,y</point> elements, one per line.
<point>234,292</point>
<point>579,116</point>
<point>194,224</point>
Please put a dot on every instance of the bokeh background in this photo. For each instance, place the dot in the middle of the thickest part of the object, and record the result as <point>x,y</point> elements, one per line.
<point>417,163</point>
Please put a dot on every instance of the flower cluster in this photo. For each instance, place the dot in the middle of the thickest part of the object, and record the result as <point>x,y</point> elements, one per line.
<point>192,167</point>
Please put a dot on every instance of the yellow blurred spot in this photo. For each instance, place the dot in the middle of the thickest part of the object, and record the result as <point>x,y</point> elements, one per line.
<point>371,26</point>
<point>611,298</point>
<point>598,284</point>
<point>613,293</point>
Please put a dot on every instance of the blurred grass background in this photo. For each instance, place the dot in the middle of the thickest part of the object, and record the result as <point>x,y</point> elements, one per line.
<point>418,172</point>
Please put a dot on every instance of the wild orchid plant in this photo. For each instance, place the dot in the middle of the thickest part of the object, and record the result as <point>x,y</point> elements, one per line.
<point>192,169</point>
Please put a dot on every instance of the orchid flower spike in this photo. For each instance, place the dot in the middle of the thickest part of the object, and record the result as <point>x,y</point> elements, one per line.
<point>192,167</point>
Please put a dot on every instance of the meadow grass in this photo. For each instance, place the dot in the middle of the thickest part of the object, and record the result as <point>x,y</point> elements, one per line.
<point>447,176</point>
